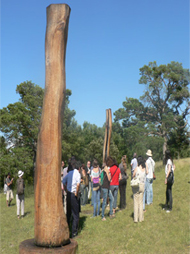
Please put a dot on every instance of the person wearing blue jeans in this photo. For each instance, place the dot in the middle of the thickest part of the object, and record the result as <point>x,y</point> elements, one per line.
<point>107,193</point>
<point>149,190</point>
<point>96,195</point>
<point>150,164</point>
<point>114,191</point>
<point>115,174</point>
<point>95,179</point>
<point>92,196</point>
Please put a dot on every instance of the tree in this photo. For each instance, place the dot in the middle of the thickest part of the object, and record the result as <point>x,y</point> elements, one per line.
<point>94,150</point>
<point>164,103</point>
<point>178,142</point>
<point>19,124</point>
<point>20,121</point>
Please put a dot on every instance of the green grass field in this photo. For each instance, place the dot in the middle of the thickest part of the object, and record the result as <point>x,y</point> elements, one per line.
<point>159,233</point>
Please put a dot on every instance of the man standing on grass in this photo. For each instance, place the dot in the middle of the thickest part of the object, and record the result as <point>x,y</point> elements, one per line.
<point>133,164</point>
<point>9,196</point>
<point>72,183</point>
<point>150,164</point>
<point>64,193</point>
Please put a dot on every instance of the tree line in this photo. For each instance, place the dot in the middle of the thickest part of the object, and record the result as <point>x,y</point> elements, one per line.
<point>156,121</point>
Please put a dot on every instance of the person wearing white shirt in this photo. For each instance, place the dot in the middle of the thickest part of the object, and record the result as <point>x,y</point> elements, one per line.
<point>133,164</point>
<point>169,166</point>
<point>150,164</point>
<point>72,183</point>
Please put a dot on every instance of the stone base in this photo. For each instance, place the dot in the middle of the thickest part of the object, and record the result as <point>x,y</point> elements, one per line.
<point>29,247</point>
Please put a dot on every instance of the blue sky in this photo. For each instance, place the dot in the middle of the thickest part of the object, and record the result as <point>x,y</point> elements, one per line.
<point>108,41</point>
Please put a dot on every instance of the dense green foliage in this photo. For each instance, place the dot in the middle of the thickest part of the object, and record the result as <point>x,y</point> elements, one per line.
<point>155,121</point>
<point>161,112</point>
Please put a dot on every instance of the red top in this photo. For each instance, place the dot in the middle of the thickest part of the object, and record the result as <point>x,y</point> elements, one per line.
<point>114,175</point>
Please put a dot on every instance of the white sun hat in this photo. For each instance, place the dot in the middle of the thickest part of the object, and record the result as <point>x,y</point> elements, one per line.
<point>149,153</point>
<point>20,173</point>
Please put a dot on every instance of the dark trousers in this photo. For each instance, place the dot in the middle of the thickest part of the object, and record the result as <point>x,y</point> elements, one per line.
<point>73,209</point>
<point>122,190</point>
<point>169,196</point>
<point>84,194</point>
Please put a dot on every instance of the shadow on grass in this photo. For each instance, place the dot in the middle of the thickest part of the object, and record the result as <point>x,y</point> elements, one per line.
<point>162,205</point>
<point>82,220</point>
<point>25,214</point>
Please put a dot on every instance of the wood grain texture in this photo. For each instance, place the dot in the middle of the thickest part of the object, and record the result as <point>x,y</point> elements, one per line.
<point>51,228</point>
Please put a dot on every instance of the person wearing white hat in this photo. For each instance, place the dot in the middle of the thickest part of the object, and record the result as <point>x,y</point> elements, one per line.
<point>20,194</point>
<point>148,194</point>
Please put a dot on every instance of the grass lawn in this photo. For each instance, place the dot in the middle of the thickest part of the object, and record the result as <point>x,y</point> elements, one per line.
<point>159,233</point>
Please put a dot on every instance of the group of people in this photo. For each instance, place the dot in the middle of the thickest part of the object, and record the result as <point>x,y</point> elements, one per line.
<point>20,186</point>
<point>143,193</point>
<point>105,182</point>
<point>79,182</point>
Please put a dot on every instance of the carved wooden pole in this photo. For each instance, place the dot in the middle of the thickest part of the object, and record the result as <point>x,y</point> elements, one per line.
<point>107,138</point>
<point>51,228</point>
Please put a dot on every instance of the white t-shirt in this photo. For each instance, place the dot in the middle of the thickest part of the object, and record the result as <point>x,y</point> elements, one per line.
<point>133,164</point>
<point>169,162</point>
<point>150,164</point>
<point>72,179</point>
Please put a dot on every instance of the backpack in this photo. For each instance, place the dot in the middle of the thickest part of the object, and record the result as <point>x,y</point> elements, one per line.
<point>20,187</point>
<point>102,177</point>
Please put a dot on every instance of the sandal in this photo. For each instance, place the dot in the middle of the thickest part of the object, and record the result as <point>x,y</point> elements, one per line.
<point>103,219</point>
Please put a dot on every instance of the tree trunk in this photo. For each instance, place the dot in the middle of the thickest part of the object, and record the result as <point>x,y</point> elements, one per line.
<point>51,228</point>
<point>164,148</point>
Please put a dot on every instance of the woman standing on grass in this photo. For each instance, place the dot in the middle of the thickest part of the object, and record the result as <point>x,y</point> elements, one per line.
<point>83,186</point>
<point>107,192</point>
<point>123,182</point>
<point>138,192</point>
<point>168,168</point>
<point>115,177</point>
<point>95,179</point>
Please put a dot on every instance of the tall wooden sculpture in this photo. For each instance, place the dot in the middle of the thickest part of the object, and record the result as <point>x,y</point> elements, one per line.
<point>51,229</point>
<point>50,220</point>
<point>107,138</point>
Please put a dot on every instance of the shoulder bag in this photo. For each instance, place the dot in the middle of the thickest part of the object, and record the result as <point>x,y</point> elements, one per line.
<point>114,174</point>
<point>135,182</point>
<point>123,180</point>
<point>170,179</point>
